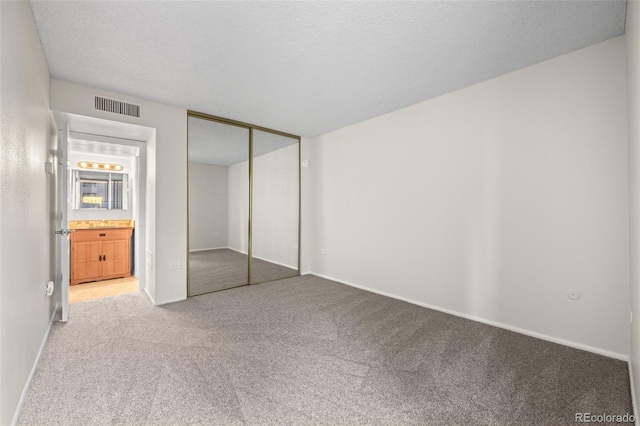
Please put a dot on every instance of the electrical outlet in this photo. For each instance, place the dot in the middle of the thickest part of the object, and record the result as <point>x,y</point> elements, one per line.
<point>175,266</point>
<point>295,246</point>
<point>323,251</point>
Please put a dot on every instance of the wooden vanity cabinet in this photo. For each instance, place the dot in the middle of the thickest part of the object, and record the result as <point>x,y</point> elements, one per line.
<point>100,254</point>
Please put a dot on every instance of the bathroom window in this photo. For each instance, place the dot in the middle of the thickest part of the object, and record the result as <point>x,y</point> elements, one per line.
<point>99,190</point>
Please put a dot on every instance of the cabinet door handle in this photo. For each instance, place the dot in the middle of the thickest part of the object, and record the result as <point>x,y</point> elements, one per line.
<point>100,258</point>
<point>104,257</point>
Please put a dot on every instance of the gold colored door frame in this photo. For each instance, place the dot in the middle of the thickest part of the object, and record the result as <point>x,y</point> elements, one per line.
<point>240,124</point>
<point>251,128</point>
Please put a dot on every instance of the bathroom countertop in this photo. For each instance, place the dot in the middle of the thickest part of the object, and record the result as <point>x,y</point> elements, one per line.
<point>101,224</point>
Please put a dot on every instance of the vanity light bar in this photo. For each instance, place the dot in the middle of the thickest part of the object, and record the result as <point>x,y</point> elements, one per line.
<point>99,166</point>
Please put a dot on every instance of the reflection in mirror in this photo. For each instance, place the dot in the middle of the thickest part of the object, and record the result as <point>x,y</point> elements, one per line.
<point>218,205</point>
<point>275,207</point>
<point>99,190</point>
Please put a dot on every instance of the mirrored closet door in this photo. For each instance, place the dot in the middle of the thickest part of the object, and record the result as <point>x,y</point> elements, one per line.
<point>274,250</point>
<point>244,204</point>
<point>218,205</point>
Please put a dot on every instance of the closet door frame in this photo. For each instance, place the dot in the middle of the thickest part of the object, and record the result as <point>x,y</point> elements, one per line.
<point>251,128</point>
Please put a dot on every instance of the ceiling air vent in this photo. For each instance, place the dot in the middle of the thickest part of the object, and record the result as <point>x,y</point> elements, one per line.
<point>110,105</point>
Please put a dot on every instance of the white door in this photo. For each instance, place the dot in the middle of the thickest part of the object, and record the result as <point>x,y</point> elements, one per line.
<point>63,224</point>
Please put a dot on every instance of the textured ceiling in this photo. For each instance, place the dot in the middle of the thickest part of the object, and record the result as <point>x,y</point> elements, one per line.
<point>224,145</point>
<point>308,67</point>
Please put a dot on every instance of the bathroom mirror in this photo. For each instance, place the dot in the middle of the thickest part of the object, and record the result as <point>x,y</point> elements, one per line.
<point>218,186</point>
<point>99,190</point>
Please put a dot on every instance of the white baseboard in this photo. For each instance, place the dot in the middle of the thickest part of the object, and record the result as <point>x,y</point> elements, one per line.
<point>263,258</point>
<point>179,299</point>
<point>206,249</point>
<point>236,250</point>
<point>275,263</point>
<point>564,342</point>
<point>633,395</point>
<point>27,386</point>
<point>166,302</point>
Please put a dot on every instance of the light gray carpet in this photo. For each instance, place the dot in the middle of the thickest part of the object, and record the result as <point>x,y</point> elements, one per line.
<point>217,269</point>
<point>306,351</point>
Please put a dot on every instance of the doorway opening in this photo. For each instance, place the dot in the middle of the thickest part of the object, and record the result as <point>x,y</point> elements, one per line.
<point>102,210</point>
<point>103,207</point>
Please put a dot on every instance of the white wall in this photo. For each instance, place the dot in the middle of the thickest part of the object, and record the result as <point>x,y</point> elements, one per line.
<point>238,217</point>
<point>306,242</point>
<point>167,208</point>
<point>208,206</point>
<point>275,206</point>
<point>28,202</point>
<point>632,39</point>
<point>491,201</point>
<point>91,214</point>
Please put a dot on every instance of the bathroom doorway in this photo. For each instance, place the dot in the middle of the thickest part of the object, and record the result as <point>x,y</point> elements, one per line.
<point>106,173</point>
<point>102,210</point>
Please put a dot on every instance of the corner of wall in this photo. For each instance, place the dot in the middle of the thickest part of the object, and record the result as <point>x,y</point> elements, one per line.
<point>475,218</point>
<point>632,44</point>
<point>306,207</point>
